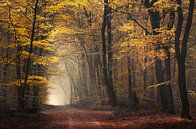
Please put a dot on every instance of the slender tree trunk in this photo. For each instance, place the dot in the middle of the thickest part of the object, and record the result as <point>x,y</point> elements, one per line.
<point>155,23</point>
<point>31,43</point>
<point>130,81</point>
<point>155,19</point>
<point>107,71</point>
<point>134,97</point>
<point>183,90</point>
<point>20,89</point>
<point>71,93</point>
<point>160,79</point>
<point>8,36</point>
<point>169,93</point>
<point>168,78</point>
<point>145,72</point>
<point>24,86</point>
<point>110,56</point>
<point>181,52</point>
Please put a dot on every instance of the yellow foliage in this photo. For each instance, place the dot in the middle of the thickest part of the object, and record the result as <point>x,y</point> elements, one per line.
<point>33,80</point>
<point>127,27</point>
<point>62,31</point>
<point>42,60</point>
<point>44,45</point>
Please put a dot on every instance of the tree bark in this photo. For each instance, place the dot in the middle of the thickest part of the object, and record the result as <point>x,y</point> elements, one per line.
<point>168,78</point>
<point>107,67</point>
<point>31,43</point>
<point>129,81</point>
<point>164,90</point>
<point>181,52</point>
<point>169,93</point>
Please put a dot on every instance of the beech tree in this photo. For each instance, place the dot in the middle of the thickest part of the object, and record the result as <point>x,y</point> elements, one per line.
<point>107,51</point>
<point>181,53</point>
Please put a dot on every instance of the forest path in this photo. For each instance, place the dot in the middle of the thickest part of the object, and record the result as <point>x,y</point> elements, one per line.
<point>71,117</point>
<point>67,117</point>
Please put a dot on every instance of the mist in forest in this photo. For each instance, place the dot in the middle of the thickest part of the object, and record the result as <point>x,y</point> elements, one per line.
<point>90,64</point>
<point>59,91</point>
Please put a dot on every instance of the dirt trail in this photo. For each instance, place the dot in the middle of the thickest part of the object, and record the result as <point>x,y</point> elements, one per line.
<point>75,118</point>
<point>67,117</point>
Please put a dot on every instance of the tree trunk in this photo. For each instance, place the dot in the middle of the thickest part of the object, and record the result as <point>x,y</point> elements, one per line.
<point>181,52</point>
<point>160,79</point>
<point>169,93</point>
<point>107,67</point>
<point>134,97</point>
<point>183,90</point>
<point>31,43</point>
<point>164,90</point>
<point>145,72</point>
<point>170,106</point>
<point>110,69</point>
<point>155,23</point>
<point>130,81</point>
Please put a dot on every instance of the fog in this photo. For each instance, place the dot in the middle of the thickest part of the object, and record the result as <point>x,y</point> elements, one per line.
<point>59,88</point>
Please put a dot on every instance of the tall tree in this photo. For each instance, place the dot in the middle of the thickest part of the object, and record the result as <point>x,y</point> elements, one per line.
<point>181,53</point>
<point>164,90</point>
<point>30,52</point>
<point>107,67</point>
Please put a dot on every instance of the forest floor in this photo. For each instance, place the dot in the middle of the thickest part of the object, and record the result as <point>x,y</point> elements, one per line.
<point>70,117</point>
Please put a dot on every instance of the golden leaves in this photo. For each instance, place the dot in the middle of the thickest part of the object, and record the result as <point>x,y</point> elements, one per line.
<point>126,27</point>
<point>45,61</point>
<point>33,80</point>
<point>43,44</point>
<point>62,31</point>
<point>62,5</point>
<point>163,5</point>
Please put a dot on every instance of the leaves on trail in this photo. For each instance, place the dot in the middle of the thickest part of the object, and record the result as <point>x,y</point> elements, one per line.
<point>66,117</point>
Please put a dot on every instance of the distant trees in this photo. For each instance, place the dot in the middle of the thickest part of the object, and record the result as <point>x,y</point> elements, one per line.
<point>25,53</point>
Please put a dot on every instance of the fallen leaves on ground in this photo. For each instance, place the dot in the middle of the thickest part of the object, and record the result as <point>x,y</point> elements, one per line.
<point>67,117</point>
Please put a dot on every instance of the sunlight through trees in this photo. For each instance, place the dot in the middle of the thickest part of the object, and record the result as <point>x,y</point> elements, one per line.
<point>121,53</point>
